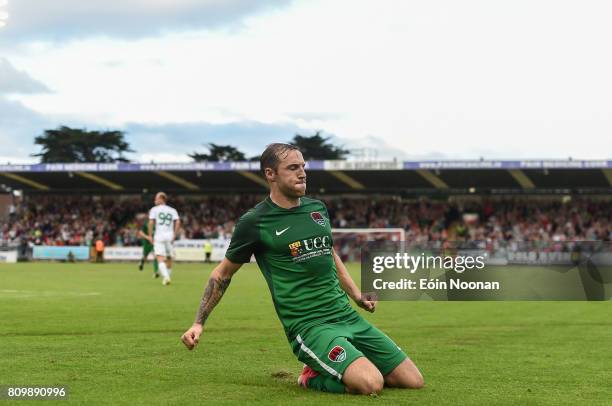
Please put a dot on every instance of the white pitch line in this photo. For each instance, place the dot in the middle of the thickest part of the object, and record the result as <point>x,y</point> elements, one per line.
<point>12,293</point>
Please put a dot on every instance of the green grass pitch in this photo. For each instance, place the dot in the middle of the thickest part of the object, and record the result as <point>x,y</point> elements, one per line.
<point>111,333</point>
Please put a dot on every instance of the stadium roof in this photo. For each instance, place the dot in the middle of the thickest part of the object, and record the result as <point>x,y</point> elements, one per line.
<point>332,177</point>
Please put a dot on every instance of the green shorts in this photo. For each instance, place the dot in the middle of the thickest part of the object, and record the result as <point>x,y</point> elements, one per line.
<point>330,348</point>
<point>146,249</point>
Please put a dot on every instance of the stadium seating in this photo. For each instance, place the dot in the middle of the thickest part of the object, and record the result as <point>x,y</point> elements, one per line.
<point>77,220</point>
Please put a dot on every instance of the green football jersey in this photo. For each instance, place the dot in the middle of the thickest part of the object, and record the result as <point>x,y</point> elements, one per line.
<point>293,248</point>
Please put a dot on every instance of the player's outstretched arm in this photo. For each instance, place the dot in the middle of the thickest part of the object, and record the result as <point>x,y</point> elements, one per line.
<point>218,282</point>
<point>350,287</point>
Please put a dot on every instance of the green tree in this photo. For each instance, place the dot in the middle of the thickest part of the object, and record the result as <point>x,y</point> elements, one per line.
<point>219,153</point>
<point>318,147</point>
<point>66,144</point>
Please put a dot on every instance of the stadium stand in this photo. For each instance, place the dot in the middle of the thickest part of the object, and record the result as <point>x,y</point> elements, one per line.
<point>492,201</point>
<point>77,220</point>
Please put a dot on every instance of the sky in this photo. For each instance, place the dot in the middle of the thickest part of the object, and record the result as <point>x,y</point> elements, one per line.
<point>390,79</point>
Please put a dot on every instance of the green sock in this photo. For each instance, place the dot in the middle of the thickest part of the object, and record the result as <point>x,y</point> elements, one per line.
<point>155,265</point>
<point>326,383</point>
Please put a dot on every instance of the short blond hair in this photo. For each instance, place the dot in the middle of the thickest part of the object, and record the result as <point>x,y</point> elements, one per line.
<point>272,155</point>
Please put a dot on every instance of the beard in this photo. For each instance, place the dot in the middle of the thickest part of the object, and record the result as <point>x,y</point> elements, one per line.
<point>292,190</point>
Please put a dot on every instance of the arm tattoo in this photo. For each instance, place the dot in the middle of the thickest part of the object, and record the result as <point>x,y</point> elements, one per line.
<point>212,295</point>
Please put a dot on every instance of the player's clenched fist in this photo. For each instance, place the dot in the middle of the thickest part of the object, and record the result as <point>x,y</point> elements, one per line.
<point>192,336</point>
<point>368,303</point>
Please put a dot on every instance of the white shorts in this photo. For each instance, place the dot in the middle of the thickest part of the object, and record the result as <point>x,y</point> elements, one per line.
<point>163,248</point>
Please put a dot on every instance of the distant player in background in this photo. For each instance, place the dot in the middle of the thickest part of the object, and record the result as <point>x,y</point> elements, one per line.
<point>147,244</point>
<point>165,220</point>
<point>99,245</point>
<point>207,251</point>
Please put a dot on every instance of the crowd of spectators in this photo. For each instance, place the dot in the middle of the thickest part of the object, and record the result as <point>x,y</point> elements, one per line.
<point>541,220</point>
<point>79,220</point>
<point>65,220</point>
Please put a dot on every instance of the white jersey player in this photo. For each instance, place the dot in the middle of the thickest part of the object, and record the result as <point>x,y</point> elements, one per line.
<point>165,220</point>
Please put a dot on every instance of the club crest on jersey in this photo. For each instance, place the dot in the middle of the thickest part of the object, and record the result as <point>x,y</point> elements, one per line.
<point>318,218</point>
<point>337,354</point>
<point>295,248</point>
